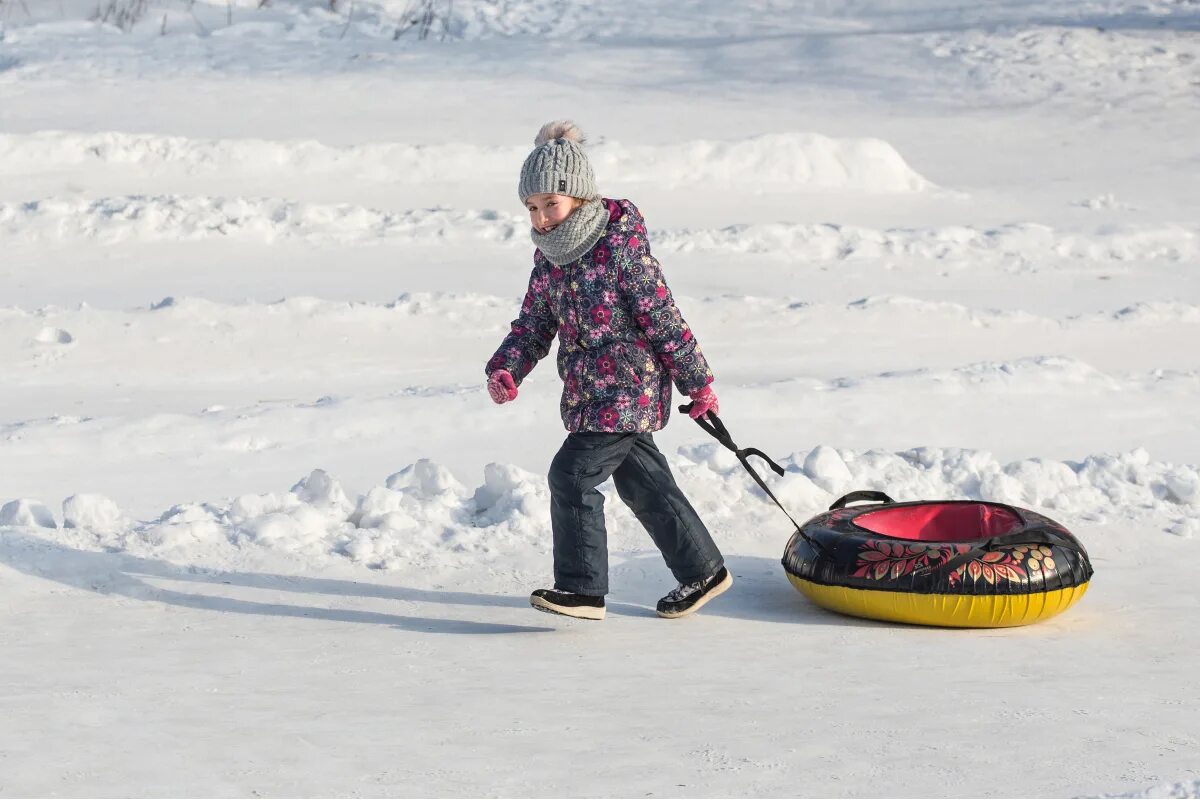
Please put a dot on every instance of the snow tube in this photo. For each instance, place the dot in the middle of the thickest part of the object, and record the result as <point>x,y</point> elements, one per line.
<point>953,563</point>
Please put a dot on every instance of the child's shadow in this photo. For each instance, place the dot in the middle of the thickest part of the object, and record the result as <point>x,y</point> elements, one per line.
<point>123,574</point>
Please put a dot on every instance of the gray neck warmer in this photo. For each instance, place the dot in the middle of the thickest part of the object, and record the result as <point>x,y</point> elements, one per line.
<point>575,235</point>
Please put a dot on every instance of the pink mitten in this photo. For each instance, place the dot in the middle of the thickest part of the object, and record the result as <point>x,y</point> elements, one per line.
<point>703,401</point>
<point>501,387</point>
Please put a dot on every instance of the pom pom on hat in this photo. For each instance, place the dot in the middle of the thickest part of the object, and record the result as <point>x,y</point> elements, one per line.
<point>559,129</point>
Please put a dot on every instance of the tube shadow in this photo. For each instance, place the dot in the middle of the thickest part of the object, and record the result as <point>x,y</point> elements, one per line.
<point>761,592</point>
<point>123,574</point>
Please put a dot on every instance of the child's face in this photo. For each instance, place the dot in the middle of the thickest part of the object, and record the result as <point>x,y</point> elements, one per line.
<point>546,211</point>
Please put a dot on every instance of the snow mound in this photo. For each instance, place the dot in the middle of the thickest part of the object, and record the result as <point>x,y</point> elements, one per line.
<point>1038,63</point>
<point>1032,375</point>
<point>94,513</point>
<point>1158,313</point>
<point>173,218</point>
<point>1018,242</point>
<point>307,20</point>
<point>54,336</point>
<point>1183,789</point>
<point>825,467</point>
<point>27,513</point>
<point>423,517</point>
<point>115,220</point>
<point>1097,486</point>
<point>902,307</point>
<point>784,160</point>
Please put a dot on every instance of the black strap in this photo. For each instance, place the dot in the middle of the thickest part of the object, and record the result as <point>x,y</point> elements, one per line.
<point>1038,534</point>
<point>718,431</point>
<point>860,496</point>
<point>1031,536</point>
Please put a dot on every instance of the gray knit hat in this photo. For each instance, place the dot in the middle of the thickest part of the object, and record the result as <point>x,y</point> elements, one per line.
<point>558,164</point>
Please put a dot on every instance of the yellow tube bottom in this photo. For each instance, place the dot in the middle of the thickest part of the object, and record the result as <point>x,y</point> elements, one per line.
<point>944,610</point>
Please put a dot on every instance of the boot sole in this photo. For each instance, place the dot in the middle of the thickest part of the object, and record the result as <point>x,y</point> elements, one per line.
<point>719,589</point>
<point>578,612</point>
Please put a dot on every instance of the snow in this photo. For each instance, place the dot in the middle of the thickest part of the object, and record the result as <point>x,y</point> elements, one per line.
<point>259,519</point>
<point>785,160</point>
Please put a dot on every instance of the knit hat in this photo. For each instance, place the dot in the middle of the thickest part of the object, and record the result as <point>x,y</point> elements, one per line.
<point>558,164</point>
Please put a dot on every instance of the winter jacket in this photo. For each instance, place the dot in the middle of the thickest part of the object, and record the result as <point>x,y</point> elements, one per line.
<point>621,338</point>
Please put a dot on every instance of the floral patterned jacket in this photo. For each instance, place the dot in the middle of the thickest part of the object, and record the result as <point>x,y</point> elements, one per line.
<point>621,338</point>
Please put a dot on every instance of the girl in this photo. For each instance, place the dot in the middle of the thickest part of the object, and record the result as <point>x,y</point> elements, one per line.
<point>622,342</point>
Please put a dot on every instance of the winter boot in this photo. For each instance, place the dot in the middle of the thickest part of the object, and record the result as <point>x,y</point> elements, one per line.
<point>689,597</point>
<point>553,601</point>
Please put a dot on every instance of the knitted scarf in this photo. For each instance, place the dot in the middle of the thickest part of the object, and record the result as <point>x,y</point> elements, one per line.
<point>575,235</point>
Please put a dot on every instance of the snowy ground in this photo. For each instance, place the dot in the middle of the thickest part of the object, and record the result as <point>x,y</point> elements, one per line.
<point>264,533</point>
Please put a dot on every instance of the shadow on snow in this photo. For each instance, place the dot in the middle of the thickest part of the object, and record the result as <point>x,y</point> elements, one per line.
<point>124,575</point>
<point>761,592</point>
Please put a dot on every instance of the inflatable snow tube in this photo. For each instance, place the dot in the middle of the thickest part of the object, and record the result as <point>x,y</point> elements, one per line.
<point>953,563</point>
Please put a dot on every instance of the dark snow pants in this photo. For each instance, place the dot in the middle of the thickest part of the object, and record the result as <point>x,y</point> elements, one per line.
<point>645,484</point>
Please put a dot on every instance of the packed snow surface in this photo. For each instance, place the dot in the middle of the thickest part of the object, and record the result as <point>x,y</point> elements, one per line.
<point>263,532</point>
